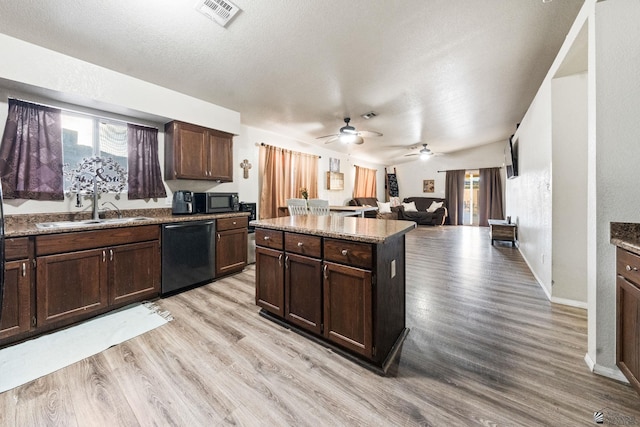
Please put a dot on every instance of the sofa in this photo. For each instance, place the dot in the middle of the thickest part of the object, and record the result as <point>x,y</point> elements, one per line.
<point>422,217</point>
<point>372,201</point>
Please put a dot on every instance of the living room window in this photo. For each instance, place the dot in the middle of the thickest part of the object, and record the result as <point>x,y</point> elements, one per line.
<point>470,214</point>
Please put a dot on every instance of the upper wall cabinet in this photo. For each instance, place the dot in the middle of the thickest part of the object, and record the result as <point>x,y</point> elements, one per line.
<point>196,152</point>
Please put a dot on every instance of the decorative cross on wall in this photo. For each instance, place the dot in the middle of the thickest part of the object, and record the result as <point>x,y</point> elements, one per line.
<point>246,166</point>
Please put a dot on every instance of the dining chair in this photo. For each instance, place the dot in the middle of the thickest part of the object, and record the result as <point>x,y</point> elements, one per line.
<point>318,207</point>
<point>297,206</point>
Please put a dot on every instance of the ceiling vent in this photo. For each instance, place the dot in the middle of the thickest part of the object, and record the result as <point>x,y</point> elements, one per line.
<point>221,11</point>
<point>369,115</point>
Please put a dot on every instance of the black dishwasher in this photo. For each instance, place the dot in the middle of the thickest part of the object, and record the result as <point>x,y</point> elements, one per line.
<point>188,255</point>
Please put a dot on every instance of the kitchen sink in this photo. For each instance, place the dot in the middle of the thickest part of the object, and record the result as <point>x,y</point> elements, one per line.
<point>89,222</point>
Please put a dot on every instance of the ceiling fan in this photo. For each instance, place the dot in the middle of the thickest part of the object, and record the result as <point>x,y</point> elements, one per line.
<point>424,153</point>
<point>349,135</point>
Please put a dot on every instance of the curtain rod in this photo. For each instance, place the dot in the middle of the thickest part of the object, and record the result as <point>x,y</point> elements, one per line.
<point>280,148</point>
<point>467,169</point>
<point>67,110</point>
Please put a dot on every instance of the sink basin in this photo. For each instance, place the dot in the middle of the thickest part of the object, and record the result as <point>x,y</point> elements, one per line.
<point>89,222</point>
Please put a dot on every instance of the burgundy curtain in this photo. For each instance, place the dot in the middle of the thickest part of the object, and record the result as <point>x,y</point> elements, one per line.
<point>490,203</point>
<point>31,152</point>
<point>454,195</point>
<point>145,177</point>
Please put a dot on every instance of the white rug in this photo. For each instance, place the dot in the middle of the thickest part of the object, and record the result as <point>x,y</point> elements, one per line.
<point>35,358</point>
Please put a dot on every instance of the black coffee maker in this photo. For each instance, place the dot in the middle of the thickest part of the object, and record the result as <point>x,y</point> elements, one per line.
<point>251,208</point>
<point>182,203</point>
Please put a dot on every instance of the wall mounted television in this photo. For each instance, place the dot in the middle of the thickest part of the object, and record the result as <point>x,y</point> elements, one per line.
<point>511,158</point>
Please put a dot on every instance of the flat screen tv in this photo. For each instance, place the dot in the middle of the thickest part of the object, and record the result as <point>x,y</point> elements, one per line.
<point>511,158</point>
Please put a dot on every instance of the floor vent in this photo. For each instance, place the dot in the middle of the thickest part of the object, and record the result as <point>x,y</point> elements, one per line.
<point>221,11</point>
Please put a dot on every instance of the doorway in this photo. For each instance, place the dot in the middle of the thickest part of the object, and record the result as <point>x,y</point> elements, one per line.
<point>470,214</point>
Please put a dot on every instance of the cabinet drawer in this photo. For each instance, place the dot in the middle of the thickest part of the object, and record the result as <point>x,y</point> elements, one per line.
<point>269,238</point>
<point>223,224</point>
<point>350,253</point>
<point>17,248</point>
<point>628,265</point>
<point>303,244</point>
<point>80,240</point>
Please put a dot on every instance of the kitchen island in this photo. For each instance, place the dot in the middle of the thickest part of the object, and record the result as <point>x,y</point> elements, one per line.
<point>337,280</point>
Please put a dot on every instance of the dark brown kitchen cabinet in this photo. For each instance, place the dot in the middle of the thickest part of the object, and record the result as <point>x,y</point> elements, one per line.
<point>270,280</point>
<point>347,307</point>
<point>16,307</point>
<point>231,245</point>
<point>346,293</point>
<point>196,152</point>
<point>303,281</point>
<point>81,274</point>
<point>628,316</point>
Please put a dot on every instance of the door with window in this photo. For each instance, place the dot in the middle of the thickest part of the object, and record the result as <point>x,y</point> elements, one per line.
<point>470,214</point>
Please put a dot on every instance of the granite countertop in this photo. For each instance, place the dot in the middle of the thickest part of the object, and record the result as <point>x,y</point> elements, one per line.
<point>359,229</point>
<point>626,235</point>
<point>25,225</point>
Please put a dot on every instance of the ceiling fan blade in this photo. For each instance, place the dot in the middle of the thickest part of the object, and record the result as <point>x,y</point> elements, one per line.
<point>369,133</point>
<point>328,136</point>
<point>414,154</point>
<point>333,138</point>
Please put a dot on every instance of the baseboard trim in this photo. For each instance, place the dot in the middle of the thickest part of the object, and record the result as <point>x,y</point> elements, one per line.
<point>535,276</point>
<point>569,302</point>
<point>613,373</point>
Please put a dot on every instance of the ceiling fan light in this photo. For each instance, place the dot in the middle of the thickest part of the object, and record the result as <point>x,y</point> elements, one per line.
<point>424,156</point>
<point>348,138</point>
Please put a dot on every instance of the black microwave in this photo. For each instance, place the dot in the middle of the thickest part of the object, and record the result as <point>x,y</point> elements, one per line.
<point>216,202</point>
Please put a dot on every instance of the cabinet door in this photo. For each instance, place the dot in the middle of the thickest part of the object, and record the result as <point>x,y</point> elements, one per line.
<point>231,251</point>
<point>348,307</point>
<point>70,286</point>
<point>192,150</point>
<point>303,292</point>
<point>16,307</point>
<point>220,157</point>
<point>628,331</point>
<point>270,280</point>
<point>134,272</point>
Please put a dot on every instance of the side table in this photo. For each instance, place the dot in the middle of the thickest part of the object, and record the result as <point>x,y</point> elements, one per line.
<point>502,230</point>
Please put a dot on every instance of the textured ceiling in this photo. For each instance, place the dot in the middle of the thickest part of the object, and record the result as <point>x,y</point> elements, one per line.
<point>450,73</point>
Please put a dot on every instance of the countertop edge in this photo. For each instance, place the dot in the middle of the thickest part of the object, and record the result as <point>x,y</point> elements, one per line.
<point>625,235</point>
<point>32,230</point>
<point>334,234</point>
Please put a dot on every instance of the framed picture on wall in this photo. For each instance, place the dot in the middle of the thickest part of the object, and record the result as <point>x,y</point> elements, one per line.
<point>334,165</point>
<point>428,185</point>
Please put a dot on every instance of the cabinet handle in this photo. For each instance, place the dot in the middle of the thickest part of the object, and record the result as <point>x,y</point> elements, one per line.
<point>344,252</point>
<point>104,256</point>
<point>234,223</point>
<point>324,270</point>
<point>110,254</point>
<point>280,260</point>
<point>266,237</point>
<point>286,261</point>
<point>300,244</point>
<point>218,237</point>
<point>629,268</point>
<point>24,269</point>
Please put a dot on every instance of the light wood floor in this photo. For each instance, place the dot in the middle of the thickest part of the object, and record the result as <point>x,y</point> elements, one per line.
<point>485,348</point>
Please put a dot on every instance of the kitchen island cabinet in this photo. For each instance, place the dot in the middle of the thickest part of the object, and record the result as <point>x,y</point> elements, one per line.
<point>337,280</point>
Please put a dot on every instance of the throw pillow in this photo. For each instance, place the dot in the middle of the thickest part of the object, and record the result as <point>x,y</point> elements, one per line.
<point>410,207</point>
<point>434,206</point>
<point>395,201</point>
<point>384,207</point>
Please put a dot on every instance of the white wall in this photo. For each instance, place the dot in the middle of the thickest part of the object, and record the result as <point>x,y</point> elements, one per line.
<point>614,192</point>
<point>569,190</point>
<point>410,175</point>
<point>529,194</point>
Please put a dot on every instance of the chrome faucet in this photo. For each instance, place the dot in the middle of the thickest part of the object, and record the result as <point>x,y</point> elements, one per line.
<point>116,208</point>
